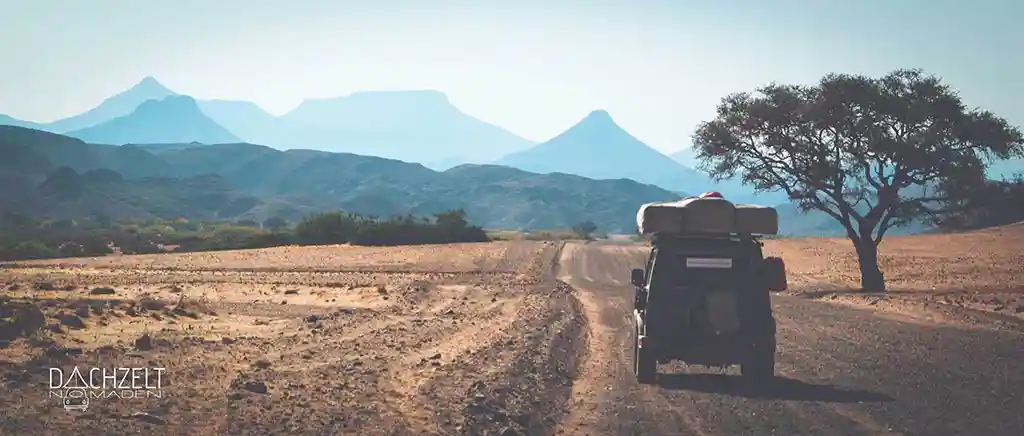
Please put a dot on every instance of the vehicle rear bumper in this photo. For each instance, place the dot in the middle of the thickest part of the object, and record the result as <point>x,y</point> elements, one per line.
<point>724,349</point>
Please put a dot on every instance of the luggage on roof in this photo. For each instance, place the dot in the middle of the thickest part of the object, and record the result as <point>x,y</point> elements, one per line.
<point>706,215</point>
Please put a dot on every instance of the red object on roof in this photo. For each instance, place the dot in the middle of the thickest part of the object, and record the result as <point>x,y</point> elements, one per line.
<point>711,194</point>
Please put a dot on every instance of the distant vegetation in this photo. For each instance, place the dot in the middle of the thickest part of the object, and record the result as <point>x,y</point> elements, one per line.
<point>584,229</point>
<point>996,203</point>
<point>24,237</point>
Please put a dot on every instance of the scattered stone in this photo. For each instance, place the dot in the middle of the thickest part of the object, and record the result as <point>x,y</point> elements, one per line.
<point>82,311</point>
<point>107,350</point>
<point>56,328</point>
<point>291,292</point>
<point>494,299</point>
<point>284,302</point>
<point>235,396</point>
<point>57,351</point>
<point>150,418</point>
<point>227,341</point>
<point>72,321</point>
<point>435,363</point>
<point>102,291</point>
<point>46,286</point>
<point>14,287</point>
<point>312,318</point>
<point>261,364</point>
<point>255,387</point>
<point>150,303</point>
<point>436,356</point>
<point>382,289</point>
<point>144,342</point>
<point>181,311</point>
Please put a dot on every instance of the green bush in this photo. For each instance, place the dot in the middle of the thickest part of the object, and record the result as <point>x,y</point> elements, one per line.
<point>342,228</point>
<point>23,237</point>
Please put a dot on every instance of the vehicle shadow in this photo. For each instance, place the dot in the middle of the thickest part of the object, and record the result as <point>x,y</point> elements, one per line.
<point>778,388</point>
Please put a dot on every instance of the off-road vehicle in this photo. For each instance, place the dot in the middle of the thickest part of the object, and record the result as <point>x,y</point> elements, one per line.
<point>703,296</point>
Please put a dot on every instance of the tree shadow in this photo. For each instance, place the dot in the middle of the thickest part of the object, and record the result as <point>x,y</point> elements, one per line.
<point>777,388</point>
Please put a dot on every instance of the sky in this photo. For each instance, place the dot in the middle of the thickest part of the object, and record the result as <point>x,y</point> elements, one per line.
<point>533,67</point>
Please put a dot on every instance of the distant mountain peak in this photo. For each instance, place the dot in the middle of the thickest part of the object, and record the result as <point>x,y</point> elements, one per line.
<point>114,106</point>
<point>599,118</point>
<point>599,114</point>
<point>149,86</point>
<point>170,119</point>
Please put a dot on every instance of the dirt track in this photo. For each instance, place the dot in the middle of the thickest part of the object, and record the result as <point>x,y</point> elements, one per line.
<point>845,371</point>
<point>461,339</point>
<point>483,339</point>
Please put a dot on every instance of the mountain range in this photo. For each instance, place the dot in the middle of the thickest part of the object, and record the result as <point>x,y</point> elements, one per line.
<point>422,127</point>
<point>414,126</point>
<point>390,124</point>
<point>176,118</point>
<point>247,181</point>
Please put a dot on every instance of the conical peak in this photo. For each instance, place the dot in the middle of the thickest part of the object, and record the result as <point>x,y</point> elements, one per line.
<point>598,119</point>
<point>600,115</point>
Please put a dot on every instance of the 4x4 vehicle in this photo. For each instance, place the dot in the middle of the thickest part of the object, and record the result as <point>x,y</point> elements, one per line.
<point>704,299</point>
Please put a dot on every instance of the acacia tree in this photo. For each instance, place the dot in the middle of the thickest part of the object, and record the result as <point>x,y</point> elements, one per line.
<point>872,153</point>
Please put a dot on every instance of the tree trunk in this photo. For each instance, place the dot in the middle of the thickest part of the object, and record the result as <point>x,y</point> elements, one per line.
<point>871,278</point>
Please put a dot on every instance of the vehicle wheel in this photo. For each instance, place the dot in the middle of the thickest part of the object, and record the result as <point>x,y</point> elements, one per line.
<point>760,364</point>
<point>645,366</point>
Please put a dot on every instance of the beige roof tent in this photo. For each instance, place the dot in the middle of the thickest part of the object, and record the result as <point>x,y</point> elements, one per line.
<point>696,215</point>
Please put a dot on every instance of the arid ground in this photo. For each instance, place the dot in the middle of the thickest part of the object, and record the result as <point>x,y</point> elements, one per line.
<point>509,338</point>
<point>474,338</point>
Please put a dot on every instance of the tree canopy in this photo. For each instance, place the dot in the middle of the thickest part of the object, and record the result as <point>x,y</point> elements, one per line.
<point>872,153</point>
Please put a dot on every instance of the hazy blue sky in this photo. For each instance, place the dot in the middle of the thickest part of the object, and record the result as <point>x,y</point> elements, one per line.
<point>534,67</point>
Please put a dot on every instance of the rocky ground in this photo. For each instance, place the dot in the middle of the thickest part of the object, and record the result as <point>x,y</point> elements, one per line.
<point>455,339</point>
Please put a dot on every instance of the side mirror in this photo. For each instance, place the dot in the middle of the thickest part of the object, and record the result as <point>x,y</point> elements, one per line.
<point>774,273</point>
<point>637,277</point>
